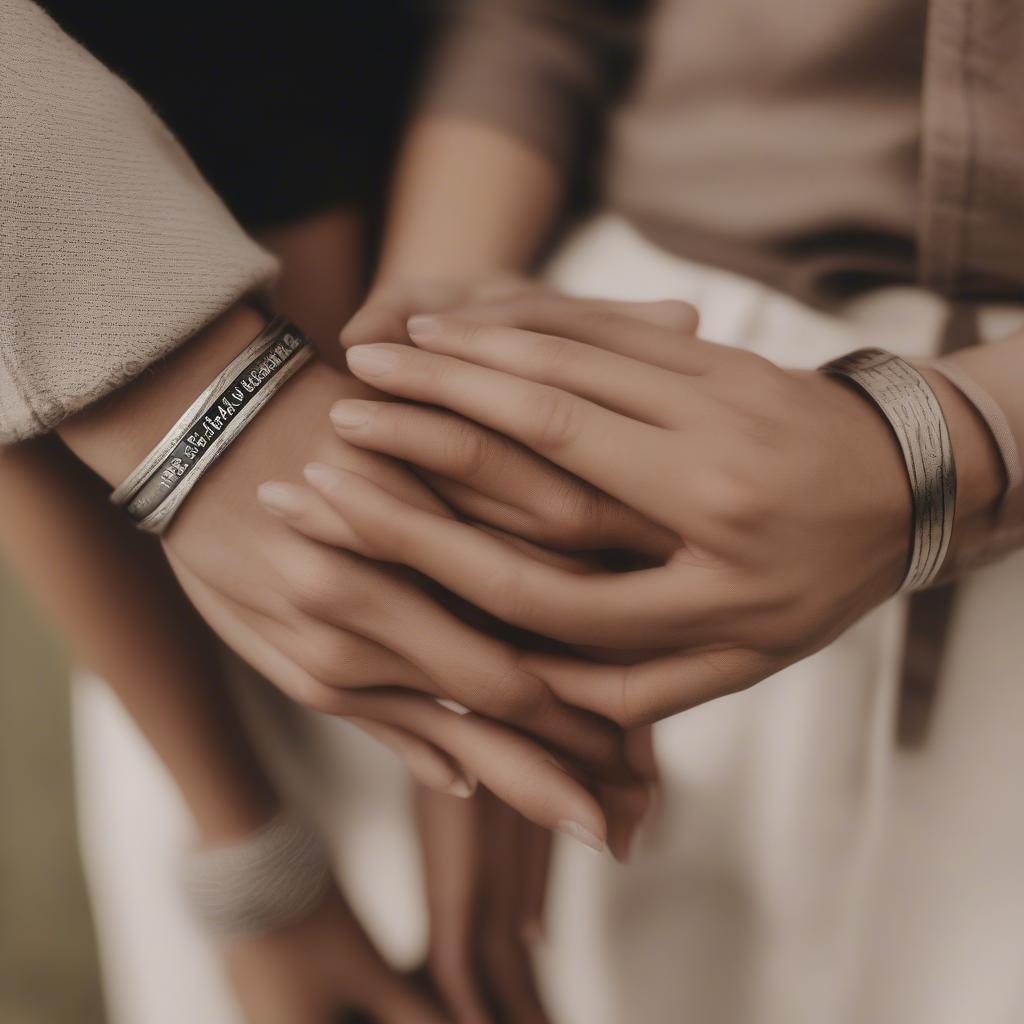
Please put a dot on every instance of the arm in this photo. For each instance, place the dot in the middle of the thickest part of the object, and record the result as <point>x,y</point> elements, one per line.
<point>791,507</point>
<point>110,592</point>
<point>519,89</point>
<point>115,250</point>
<point>125,261</point>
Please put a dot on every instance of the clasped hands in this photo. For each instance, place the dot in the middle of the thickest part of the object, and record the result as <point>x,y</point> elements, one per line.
<point>579,520</point>
<point>761,511</point>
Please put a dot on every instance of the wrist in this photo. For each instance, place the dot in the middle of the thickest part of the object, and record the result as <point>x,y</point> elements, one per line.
<point>114,434</point>
<point>980,476</point>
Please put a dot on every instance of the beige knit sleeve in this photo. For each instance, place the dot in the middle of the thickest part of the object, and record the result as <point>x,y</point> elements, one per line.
<point>542,70</point>
<point>113,250</point>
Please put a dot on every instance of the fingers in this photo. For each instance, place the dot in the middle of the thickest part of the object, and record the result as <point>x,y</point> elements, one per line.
<point>632,610</point>
<point>429,765</point>
<point>514,767</point>
<point>450,845</point>
<point>340,658</point>
<point>638,695</point>
<point>506,961</point>
<point>598,445</point>
<point>451,658</point>
<point>516,490</point>
<point>383,317</point>
<point>636,389</point>
<point>657,333</point>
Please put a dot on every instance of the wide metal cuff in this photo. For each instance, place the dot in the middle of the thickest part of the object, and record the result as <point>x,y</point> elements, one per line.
<point>906,400</point>
<point>155,490</point>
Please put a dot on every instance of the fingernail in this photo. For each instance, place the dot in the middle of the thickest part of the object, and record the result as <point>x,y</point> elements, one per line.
<point>350,413</point>
<point>320,475</point>
<point>574,830</point>
<point>423,328</point>
<point>461,787</point>
<point>373,360</point>
<point>285,500</point>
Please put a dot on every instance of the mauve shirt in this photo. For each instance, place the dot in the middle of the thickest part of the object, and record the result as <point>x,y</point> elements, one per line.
<point>823,146</point>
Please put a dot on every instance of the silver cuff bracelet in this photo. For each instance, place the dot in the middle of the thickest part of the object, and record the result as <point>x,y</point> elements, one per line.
<point>908,403</point>
<point>155,490</point>
<point>276,877</point>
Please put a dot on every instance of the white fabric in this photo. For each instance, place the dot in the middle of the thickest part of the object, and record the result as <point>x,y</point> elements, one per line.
<point>802,870</point>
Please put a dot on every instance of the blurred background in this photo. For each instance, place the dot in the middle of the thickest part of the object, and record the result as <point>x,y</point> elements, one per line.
<point>48,968</point>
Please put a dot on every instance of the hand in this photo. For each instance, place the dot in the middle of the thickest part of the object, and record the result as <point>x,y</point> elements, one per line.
<point>389,305</point>
<point>335,632</point>
<point>323,970</point>
<point>386,311</point>
<point>332,629</point>
<point>485,870</point>
<point>786,489</point>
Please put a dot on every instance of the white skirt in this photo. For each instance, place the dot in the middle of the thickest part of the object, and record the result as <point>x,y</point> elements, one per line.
<point>802,869</point>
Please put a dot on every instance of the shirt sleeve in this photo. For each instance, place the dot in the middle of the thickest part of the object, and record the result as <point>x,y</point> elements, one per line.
<point>113,249</point>
<point>541,70</point>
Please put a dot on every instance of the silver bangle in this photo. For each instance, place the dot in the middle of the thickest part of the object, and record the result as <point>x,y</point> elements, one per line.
<point>908,403</point>
<point>274,878</point>
<point>156,488</point>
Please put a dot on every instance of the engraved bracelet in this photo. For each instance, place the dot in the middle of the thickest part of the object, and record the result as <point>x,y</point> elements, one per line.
<point>275,877</point>
<point>905,399</point>
<point>155,490</point>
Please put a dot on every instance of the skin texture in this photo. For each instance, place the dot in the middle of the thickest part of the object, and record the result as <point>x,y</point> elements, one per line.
<point>785,490</point>
<point>485,871</point>
<point>110,591</point>
<point>333,631</point>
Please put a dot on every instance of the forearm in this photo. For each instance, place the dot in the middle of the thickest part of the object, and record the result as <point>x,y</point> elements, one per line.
<point>113,435</point>
<point>469,199</point>
<point>517,93</point>
<point>109,591</point>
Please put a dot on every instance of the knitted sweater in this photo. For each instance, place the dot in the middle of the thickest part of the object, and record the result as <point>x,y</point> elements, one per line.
<point>113,249</point>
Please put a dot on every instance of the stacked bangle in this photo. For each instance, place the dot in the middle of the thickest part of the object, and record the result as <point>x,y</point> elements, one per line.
<point>908,403</point>
<point>155,490</point>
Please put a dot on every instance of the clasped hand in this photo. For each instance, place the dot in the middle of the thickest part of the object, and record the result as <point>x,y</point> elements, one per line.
<point>772,506</point>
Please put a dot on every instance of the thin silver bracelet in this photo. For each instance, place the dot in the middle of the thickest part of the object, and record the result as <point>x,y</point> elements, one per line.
<point>277,876</point>
<point>156,488</point>
<point>908,403</point>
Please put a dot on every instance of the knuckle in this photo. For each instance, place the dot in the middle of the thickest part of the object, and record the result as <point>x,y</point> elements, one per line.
<point>734,500</point>
<point>680,316</point>
<point>333,660</point>
<point>506,592</point>
<point>633,710</point>
<point>315,696</point>
<point>554,357</point>
<point>556,421</point>
<point>578,512</point>
<point>467,449</point>
<point>471,335</point>
<point>515,696</point>
<point>315,586</point>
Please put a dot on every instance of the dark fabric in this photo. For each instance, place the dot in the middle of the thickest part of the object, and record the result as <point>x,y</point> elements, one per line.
<point>284,112</point>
